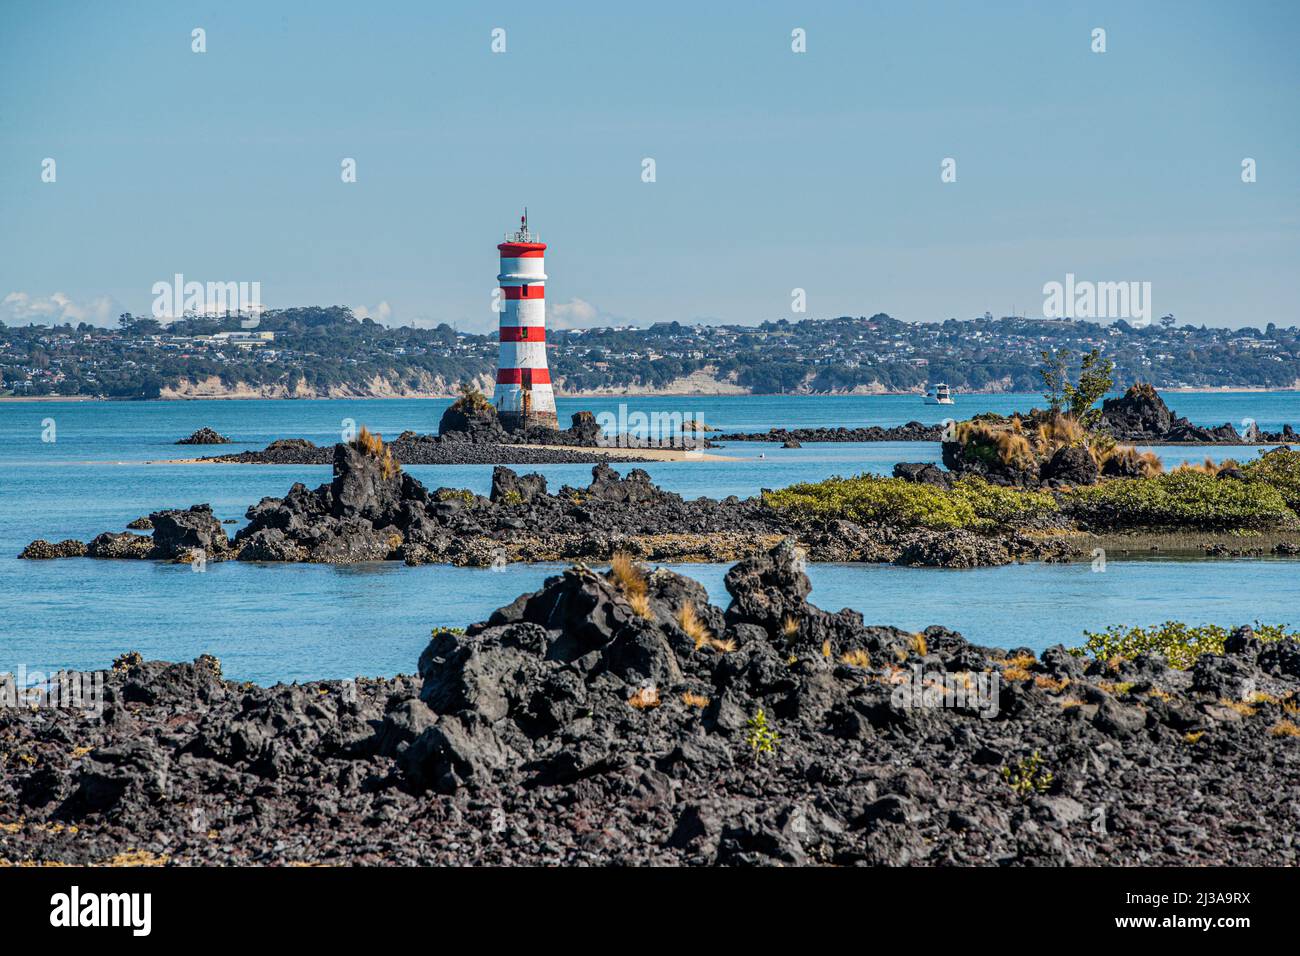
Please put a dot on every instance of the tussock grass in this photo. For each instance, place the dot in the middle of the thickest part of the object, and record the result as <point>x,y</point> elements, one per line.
<point>1051,684</point>
<point>1240,706</point>
<point>698,701</point>
<point>856,658</point>
<point>627,574</point>
<point>1284,728</point>
<point>373,445</point>
<point>1017,667</point>
<point>630,579</point>
<point>640,605</point>
<point>647,698</point>
<point>689,621</point>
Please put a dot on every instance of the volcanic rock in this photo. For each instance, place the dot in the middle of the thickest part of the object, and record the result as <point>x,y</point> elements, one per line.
<point>40,549</point>
<point>1071,465</point>
<point>204,436</point>
<point>178,532</point>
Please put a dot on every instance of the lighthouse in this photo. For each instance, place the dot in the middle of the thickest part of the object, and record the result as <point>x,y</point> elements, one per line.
<point>524,397</point>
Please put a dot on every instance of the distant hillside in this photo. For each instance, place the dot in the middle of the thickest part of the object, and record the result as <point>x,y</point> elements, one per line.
<point>329,352</point>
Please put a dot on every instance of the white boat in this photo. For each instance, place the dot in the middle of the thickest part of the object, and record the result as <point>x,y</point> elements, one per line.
<point>938,394</point>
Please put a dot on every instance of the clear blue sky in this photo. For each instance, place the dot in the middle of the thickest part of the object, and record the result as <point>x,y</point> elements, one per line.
<point>774,170</point>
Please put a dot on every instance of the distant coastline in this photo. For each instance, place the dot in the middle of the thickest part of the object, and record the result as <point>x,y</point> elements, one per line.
<point>240,395</point>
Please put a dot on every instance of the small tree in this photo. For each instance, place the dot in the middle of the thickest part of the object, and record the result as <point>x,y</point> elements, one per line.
<point>1168,320</point>
<point>1095,379</point>
<point>1056,379</point>
<point>1096,376</point>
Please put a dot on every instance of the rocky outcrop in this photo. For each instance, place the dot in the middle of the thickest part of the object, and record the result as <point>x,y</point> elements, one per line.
<point>177,532</point>
<point>204,436</point>
<point>620,718</point>
<point>42,550</point>
<point>923,473</point>
<point>475,447</point>
<point>471,421</point>
<point>1071,466</point>
<point>373,511</point>
<point>1141,415</point>
<point>912,431</point>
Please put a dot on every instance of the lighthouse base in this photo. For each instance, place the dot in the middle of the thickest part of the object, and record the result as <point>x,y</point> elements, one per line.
<point>519,421</point>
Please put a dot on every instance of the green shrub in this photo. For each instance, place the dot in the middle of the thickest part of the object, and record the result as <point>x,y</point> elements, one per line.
<point>1028,776</point>
<point>972,503</point>
<point>455,494</point>
<point>1179,643</point>
<point>762,737</point>
<point>1278,469</point>
<point>1181,499</point>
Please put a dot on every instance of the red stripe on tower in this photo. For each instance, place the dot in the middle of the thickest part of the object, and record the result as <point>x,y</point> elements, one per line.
<point>523,333</point>
<point>523,376</point>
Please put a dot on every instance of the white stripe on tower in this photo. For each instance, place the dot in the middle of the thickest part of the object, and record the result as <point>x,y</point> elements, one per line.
<point>523,393</point>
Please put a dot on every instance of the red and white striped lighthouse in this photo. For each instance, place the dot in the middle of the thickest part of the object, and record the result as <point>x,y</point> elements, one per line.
<point>523,397</point>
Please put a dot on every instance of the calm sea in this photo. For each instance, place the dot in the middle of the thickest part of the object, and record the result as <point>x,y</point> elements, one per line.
<point>75,469</point>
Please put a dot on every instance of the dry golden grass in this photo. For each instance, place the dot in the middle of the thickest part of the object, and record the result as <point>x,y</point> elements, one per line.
<point>394,541</point>
<point>1116,688</point>
<point>1060,431</point>
<point>647,698</point>
<point>826,649</point>
<point>689,621</point>
<point>1147,464</point>
<point>721,646</point>
<point>789,627</point>
<point>856,658</point>
<point>1259,697</point>
<point>1291,705</point>
<point>1017,668</point>
<point>1207,467</point>
<point>1240,706</point>
<point>1284,728</point>
<point>1069,703</point>
<point>1051,683</point>
<point>916,642</point>
<point>639,602</point>
<point>630,579</point>
<point>1193,738</point>
<point>373,445</point>
<point>698,701</point>
<point>1158,694</point>
<point>79,752</point>
<point>1014,449</point>
<point>627,573</point>
<point>136,858</point>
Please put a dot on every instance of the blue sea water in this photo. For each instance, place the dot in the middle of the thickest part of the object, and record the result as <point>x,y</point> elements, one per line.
<point>270,623</point>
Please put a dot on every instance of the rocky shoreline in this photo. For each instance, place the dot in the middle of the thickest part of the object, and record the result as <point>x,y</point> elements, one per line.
<point>374,511</point>
<point>912,431</point>
<point>412,449</point>
<point>620,719</point>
